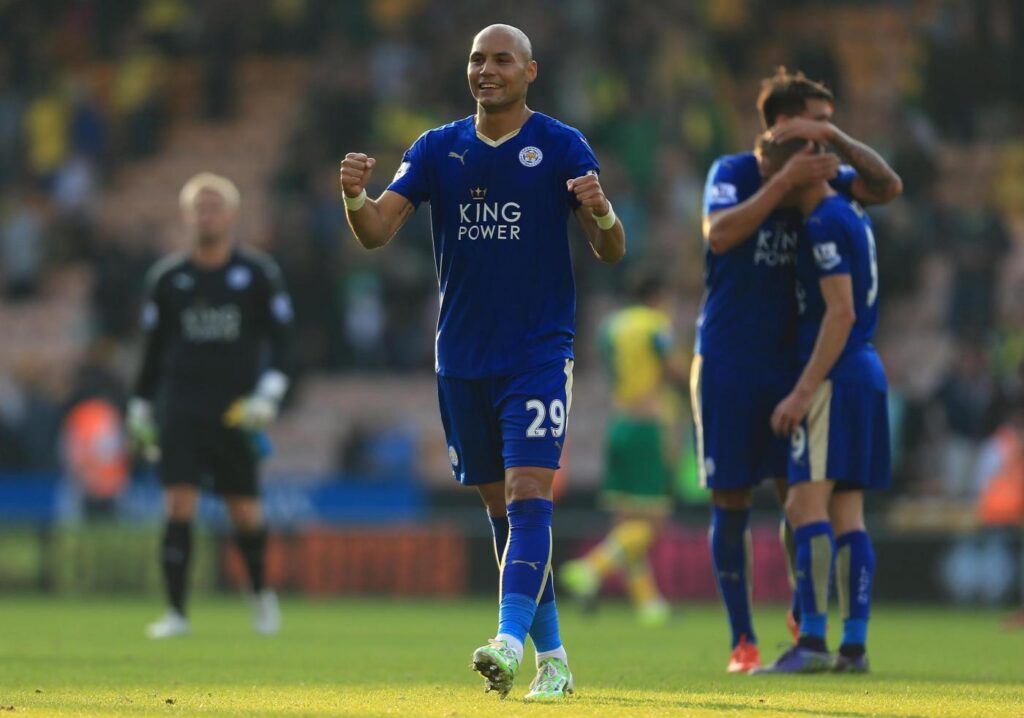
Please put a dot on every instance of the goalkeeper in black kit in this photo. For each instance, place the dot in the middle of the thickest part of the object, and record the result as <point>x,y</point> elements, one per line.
<point>217,320</point>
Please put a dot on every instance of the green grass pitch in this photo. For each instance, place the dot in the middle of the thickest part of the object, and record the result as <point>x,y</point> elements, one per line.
<point>410,658</point>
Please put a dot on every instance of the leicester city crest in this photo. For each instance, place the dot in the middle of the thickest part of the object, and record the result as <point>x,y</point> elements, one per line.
<point>239,277</point>
<point>530,156</point>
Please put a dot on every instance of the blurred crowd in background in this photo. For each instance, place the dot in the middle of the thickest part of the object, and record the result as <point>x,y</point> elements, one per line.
<point>90,89</point>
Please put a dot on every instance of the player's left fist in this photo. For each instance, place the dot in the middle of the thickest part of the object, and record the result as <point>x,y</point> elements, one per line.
<point>251,413</point>
<point>589,194</point>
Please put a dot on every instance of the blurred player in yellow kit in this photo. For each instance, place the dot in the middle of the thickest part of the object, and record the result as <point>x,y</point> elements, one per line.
<point>636,344</point>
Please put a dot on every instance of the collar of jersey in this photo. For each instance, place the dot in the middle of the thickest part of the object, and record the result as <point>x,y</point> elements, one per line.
<point>504,138</point>
<point>500,141</point>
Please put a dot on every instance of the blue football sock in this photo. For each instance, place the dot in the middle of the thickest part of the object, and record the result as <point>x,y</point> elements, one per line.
<point>527,565</point>
<point>855,572</point>
<point>499,527</point>
<point>815,554</point>
<point>544,630</point>
<point>732,560</point>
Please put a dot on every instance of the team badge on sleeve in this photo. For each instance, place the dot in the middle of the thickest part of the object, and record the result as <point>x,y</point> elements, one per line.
<point>239,278</point>
<point>150,315</point>
<point>530,156</point>
<point>400,172</point>
<point>827,256</point>
<point>281,306</point>
<point>723,192</point>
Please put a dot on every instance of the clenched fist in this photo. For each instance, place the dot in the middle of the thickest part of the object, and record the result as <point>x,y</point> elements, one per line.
<point>355,173</point>
<point>589,194</point>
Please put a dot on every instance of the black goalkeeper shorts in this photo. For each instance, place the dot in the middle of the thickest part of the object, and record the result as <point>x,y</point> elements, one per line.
<point>204,453</point>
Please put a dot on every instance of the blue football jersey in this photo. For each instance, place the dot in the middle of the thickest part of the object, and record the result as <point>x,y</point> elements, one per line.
<point>838,240</point>
<point>748,315</point>
<point>499,213</point>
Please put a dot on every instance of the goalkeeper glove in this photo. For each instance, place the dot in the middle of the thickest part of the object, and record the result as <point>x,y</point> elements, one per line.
<point>259,409</point>
<point>142,429</point>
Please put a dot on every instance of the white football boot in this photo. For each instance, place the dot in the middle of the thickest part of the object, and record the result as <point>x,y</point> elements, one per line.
<point>266,614</point>
<point>170,625</point>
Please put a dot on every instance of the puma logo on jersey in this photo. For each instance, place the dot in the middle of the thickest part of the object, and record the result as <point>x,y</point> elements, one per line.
<point>531,564</point>
<point>461,158</point>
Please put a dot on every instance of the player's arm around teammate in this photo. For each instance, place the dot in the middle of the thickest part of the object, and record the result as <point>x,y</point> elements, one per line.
<point>727,228</point>
<point>876,182</point>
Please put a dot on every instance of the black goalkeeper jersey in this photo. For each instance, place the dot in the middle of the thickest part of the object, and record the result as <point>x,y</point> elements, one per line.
<point>210,333</point>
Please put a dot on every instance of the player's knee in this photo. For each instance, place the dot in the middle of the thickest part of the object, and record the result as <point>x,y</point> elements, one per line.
<point>802,507</point>
<point>846,511</point>
<point>245,514</point>
<point>781,490</point>
<point>180,502</point>
<point>523,483</point>
<point>736,499</point>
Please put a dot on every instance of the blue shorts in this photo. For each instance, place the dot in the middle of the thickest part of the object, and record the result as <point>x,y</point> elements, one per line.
<point>732,411</point>
<point>845,438</point>
<point>496,423</point>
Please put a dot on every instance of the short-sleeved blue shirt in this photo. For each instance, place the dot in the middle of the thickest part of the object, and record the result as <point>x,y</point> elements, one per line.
<point>499,214</point>
<point>748,316</point>
<point>838,240</point>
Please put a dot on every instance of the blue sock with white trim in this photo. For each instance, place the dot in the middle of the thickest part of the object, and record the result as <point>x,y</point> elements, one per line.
<point>855,572</point>
<point>544,631</point>
<point>526,566</point>
<point>815,560</point>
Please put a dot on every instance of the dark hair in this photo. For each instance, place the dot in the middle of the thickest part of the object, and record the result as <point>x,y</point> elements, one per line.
<point>778,153</point>
<point>786,94</point>
<point>645,285</point>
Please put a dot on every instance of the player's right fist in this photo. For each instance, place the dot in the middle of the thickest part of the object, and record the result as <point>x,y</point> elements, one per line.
<point>355,172</point>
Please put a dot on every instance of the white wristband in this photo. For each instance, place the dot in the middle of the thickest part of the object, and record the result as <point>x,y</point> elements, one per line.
<point>606,221</point>
<point>354,204</point>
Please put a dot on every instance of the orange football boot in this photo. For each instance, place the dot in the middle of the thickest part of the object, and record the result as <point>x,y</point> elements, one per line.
<point>745,657</point>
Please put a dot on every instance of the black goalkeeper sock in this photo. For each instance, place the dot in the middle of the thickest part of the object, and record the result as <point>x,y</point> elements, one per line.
<point>175,553</point>
<point>253,547</point>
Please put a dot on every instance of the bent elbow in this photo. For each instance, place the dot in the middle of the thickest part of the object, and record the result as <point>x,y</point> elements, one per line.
<point>369,242</point>
<point>613,256</point>
<point>895,188</point>
<point>718,241</point>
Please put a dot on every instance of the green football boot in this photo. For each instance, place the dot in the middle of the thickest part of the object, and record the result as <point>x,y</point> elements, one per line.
<point>553,681</point>
<point>497,663</point>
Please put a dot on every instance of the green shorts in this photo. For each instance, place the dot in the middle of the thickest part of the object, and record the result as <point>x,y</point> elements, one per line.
<point>637,476</point>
